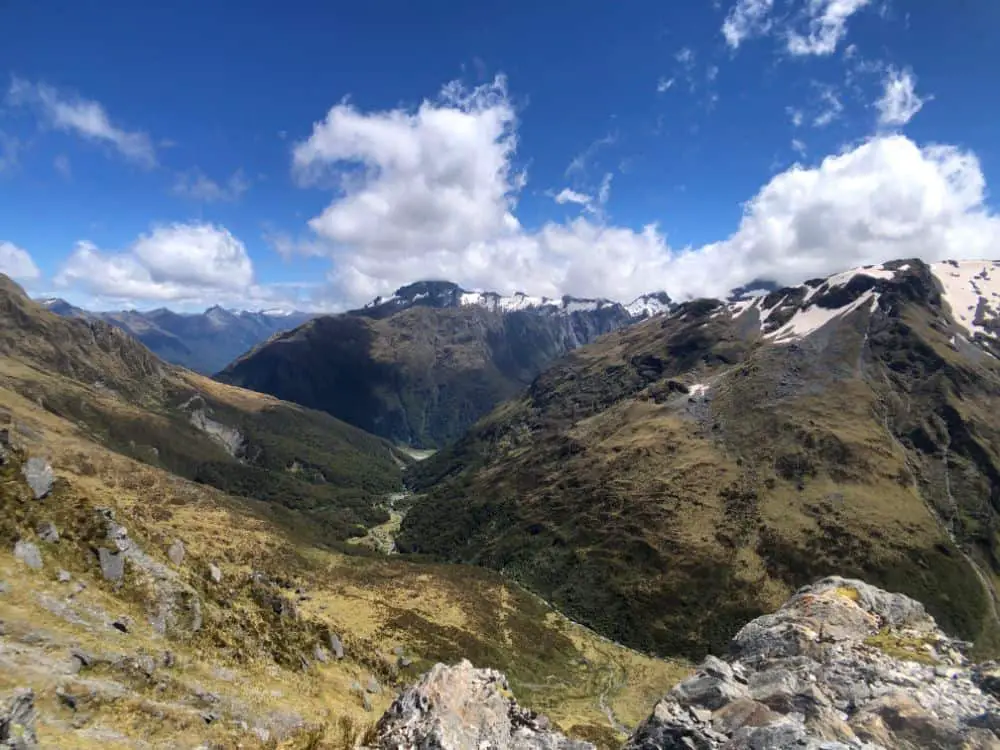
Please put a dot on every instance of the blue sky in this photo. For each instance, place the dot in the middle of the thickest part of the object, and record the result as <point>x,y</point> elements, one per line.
<point>316,154</point>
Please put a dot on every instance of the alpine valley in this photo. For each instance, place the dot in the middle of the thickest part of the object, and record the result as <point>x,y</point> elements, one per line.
<point>795,489</point>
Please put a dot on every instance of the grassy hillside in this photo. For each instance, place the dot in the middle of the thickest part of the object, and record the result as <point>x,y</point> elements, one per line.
<point>676,478</point>
<point>252,663</point>
<point>240,442</point>
<point>168,592</point>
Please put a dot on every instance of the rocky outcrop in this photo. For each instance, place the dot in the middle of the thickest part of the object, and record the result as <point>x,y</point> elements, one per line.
<point>174,607</point>
<point>841,665</point>
<point>459,707</point>
<point>17,721</point>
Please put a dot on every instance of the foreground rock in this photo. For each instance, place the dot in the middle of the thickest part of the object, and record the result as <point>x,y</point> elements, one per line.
<point>841,665</point>
<point>17,721</point>
<point>460,707</point>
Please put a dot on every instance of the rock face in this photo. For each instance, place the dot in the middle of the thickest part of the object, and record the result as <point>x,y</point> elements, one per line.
<point>459,707</point>
<point>841,665</point>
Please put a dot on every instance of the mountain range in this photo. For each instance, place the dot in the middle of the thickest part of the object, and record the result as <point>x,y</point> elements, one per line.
<point>184,564</point>
<point>182,556</point>
<point>204,342</point>
<point>678,476</point>
<point>423,365</point>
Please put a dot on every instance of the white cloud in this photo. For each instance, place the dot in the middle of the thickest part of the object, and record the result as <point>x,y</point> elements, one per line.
<point>62,166</point>
<point>665,84</point>
<point>436,179</point>
<point>593,204</point>
<point>899,103</point>
<point>17,263</point>
<point>172,262</point>
<point>581,162</point>
<point>827,26</point>
<point>798,147</point>
<point>831,109</point>
<point>797,116</point>
<point>747,19</point>
<point>84,117</point>
<point>885,198</point>
<point>571,196</point>
<point>196,185</point>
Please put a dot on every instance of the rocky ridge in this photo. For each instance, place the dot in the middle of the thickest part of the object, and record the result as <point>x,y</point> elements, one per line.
<point>842,665</point>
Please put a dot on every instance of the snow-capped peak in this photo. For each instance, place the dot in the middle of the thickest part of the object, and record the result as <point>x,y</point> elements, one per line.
<point>649,305</point>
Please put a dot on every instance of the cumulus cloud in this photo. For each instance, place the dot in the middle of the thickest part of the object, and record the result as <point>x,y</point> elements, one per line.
<point>171,262</point>
<point>826,22</point>
<point>747,19</point>
<point>17,263</point>
<point>83,117</point>
<point>436,179</point>
<point>196,185</point>
<point>887,198</point>
<point>899,102</point>
<point>411,180</point>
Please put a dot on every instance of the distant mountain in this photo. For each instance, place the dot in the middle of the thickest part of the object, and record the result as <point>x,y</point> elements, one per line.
<point>678,476</point>
<point>423,365</point>
<point>205,342</point>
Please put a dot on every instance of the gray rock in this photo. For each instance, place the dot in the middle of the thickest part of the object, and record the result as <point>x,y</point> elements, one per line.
<point>39,476</point>
<point>29,554</point>
<point>17,721</point>
<point>373,687</point>
<point>321,655</point>
<point>215,573</point>
<point>806,677</point>
<point>460,707</point>
<point>176,552</point>
<point>709,688</point>
<point>63,576</point>
<point>336,646</point>
<point>47,532</point>
<point>112,564</point>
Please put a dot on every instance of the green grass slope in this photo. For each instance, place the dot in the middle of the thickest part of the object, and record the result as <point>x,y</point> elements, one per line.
<point>674,479</point>
<point>240,442</point>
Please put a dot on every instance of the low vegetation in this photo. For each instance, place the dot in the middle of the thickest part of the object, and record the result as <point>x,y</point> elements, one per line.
<point>680,477</point>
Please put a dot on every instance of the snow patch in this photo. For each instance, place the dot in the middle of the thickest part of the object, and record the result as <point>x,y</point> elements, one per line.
<point>811,319</point>
<point>969,288</point>
<point>698,390</point>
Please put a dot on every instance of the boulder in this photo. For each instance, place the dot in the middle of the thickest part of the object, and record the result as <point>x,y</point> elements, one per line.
<point>215,573</point>
<point>336,646</point>
<point>17,721</point>
<point>47,532</point>
<point>459,707</point>
<point>39,476</point>
<point>176,552</point>
<point>29,554</point>
<point>112,564</point>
